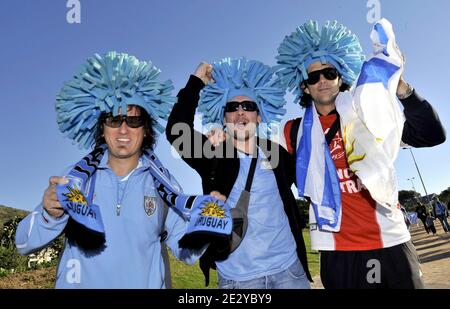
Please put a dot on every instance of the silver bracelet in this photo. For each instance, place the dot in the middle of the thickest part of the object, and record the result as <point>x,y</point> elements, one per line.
<point>407,93</point>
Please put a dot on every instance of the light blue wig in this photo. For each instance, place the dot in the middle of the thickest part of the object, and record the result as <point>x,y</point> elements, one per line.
<point>334,44</point>
<point>103,85</point>
<point>251,78</point>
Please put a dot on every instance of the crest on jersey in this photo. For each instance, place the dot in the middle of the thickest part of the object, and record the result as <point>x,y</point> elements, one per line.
<point>149,205</point>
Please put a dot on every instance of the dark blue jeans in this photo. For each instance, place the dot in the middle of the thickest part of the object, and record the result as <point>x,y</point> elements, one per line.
<point>293,277</point>
<point>444,222</point>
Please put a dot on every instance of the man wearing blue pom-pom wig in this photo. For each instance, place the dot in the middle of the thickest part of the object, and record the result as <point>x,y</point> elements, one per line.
<point>266,249</point>
<point>345,147</point>
<point>111,205</point>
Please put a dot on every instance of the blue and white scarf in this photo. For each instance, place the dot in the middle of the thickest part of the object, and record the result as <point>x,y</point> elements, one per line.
<point>371,124</point>
<point>205,213</point>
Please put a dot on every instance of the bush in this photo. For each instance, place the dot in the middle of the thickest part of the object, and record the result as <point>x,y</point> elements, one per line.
<point>11,261</point>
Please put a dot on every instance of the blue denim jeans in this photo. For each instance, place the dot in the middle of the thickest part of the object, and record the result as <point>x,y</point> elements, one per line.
<point>444,223</point>
<point>293,277</point>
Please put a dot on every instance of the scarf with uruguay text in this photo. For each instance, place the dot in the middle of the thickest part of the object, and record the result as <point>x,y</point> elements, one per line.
<point>371,122</point>
<point>209,218</point>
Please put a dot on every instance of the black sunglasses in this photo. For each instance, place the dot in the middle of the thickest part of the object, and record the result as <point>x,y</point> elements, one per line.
<point>248,106</point>
<point>328,73</point>
<point>131,121</point>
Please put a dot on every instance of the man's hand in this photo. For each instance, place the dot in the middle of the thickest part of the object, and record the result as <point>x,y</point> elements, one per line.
<point>50,200</point>
<point>218,196</point>
<point>204,71</point>
<point>216,136</point>
<point>403,88</point>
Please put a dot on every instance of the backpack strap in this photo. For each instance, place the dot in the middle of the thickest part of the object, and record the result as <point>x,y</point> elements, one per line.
<point>290,134</point>
<point>333,129</point>
<point>240,211</point>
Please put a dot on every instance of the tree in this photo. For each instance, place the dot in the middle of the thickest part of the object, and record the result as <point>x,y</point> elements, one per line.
<point>408,199</point>
<point>445,195</point>
<point>9,232</point>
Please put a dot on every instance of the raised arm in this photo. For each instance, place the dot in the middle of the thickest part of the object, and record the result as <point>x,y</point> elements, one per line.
<point>180,125</point>
<point>422,128</point>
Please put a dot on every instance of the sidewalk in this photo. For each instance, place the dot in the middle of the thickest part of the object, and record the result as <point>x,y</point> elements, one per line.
<point>434,255</point>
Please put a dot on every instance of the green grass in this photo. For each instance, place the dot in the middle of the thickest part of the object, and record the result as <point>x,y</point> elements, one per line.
<point>313,256</point>
<point>183,276</point>
<point>191,277</point>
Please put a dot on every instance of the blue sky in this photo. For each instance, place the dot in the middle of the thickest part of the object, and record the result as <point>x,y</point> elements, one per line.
<point>40,50</point>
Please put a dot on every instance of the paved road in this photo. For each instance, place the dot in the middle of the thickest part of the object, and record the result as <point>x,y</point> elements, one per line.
<point>434,255</point>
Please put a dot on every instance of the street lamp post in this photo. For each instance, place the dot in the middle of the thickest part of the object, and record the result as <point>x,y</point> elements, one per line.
<point>420,175</point>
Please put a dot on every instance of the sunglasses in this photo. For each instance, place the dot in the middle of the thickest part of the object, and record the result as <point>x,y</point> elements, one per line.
<point>328,73</point>
<point>131,121</point>
<point>248,106</point>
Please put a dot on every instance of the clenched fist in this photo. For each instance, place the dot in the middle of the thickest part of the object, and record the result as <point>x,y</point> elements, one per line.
<point>50,200</point>
<point>204,71</point>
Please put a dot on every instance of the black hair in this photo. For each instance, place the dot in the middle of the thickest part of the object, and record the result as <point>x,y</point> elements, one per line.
<point>306,99</point>
<point>149,136</point>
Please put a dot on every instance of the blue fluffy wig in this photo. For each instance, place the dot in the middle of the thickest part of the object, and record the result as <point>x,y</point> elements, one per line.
<point>234,77</point>
<point>334,44</point>
<point>103,85</point>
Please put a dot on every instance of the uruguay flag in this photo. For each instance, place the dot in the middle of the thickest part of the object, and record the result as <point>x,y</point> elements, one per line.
<point>371,126</point>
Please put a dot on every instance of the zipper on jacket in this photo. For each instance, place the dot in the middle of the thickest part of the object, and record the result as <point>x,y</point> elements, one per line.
<point>118,181</point>
<point>121,196</point>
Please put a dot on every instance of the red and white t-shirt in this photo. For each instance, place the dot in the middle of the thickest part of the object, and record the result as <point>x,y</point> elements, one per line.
<point>365,225</point>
